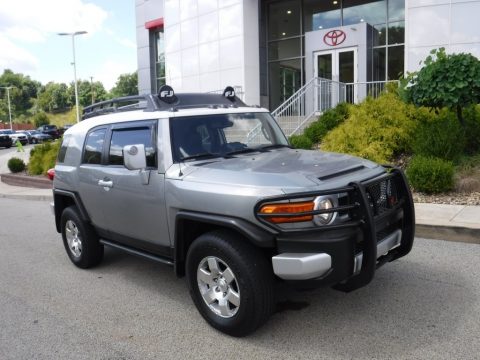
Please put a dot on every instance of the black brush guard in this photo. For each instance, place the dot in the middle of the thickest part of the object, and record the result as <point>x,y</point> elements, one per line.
<point>370,210</point>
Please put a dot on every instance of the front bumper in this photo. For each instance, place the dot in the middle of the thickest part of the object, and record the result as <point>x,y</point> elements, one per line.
<point>300,266</point>
<point>347,254</point>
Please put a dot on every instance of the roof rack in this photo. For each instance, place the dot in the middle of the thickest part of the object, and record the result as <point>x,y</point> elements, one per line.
<point>166,100</point>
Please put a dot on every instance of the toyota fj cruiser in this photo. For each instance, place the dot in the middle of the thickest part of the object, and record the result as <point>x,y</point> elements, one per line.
<point>210,186</point>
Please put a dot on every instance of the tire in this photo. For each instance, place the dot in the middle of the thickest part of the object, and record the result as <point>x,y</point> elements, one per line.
<point>80,239</point>
<point>252,281</point>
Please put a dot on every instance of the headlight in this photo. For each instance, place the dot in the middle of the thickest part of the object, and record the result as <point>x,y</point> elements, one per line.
<point>323,203</point>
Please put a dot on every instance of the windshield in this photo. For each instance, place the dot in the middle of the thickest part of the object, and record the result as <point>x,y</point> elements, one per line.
<point>224,135</point>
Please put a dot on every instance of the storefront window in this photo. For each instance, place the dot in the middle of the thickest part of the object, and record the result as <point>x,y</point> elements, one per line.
<point>396,10</point>
<point>379,63</point>
<point>395,62</point>
<point>288,20</point>
<point>319,15</point>
<point>284,19</point>
<point>396,33</point>
<point>284,49</point>
<point>379,35</point>
<point>358,11</point>
<point>285,78</point>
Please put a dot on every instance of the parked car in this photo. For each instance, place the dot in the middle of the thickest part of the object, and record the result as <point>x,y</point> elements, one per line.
<point>50,130</point>
<point>64,128</point>
<point>14,136</point>
<point>210,186</point>
<point>5,140</point>
<point>36,137</point>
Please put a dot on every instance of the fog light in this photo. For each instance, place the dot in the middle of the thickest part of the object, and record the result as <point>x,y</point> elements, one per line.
<point>323,203</point>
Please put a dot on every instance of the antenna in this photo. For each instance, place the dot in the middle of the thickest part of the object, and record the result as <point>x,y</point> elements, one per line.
<point>180,165</point>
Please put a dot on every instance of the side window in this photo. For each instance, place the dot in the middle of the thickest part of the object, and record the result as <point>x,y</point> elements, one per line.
<point>63,149</point>
<point>132,136</point>
<point>94,147</point>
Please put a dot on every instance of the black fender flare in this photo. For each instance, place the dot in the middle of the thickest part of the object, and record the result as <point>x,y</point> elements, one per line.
<point>58,196</point>
<point>256,235</point>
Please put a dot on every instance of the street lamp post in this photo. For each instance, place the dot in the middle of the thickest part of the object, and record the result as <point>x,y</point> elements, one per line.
<point>73,34</point>
<point>9,108</point>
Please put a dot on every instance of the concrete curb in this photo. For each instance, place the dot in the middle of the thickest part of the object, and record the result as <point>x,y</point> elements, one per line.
<point>27,197</point>
<point>449,233</point>
<point>26,181</point>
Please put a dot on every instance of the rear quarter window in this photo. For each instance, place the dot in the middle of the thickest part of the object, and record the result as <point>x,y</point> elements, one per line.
<point>92,153</point>
<point>63,149</point>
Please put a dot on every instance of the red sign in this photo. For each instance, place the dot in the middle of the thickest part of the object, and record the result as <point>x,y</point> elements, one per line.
<point>334,37</point>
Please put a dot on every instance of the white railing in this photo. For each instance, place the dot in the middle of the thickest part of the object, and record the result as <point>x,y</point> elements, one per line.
<point>319,95</point>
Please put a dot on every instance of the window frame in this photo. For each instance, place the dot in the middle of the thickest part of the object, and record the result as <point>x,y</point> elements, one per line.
<point>124,126</point>
<point>102,153</point>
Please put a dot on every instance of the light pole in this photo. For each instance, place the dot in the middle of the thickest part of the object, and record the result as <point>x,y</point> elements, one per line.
<point>73,34</point>
<point>9,108</point>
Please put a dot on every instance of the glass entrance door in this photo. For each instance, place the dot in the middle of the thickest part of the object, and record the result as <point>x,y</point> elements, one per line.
<point>339,69</point>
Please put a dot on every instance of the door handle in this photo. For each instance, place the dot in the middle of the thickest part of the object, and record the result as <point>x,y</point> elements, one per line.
<point>105,183</point>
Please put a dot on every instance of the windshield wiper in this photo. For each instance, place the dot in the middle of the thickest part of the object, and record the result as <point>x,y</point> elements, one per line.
<point>241,151</point>
<point>273,146</point>
<point>205,155</point>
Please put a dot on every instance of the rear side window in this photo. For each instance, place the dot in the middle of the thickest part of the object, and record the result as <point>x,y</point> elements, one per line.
<point>63,149</point>
<point>132,136</point>
<point>94,147</point>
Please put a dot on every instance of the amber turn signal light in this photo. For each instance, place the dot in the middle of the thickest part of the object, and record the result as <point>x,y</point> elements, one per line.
<point>287,208</point>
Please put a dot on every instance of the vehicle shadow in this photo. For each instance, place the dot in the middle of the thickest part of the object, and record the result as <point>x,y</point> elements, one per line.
<point>407,306</point>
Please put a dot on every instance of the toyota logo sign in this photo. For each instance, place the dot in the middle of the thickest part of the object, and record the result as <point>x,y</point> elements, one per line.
<point>334,37</point>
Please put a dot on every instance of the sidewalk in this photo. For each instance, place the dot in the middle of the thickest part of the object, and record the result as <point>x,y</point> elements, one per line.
<point>452,222</point>
<point>20,192</point>
<point>434,221</point>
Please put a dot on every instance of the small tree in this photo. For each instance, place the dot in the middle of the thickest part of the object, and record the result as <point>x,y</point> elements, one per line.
<point>126,85</point>
<point>446,80</point>
<point>40,119</point>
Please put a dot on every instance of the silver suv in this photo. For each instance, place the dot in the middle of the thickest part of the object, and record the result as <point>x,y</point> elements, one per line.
<point>210,186</point>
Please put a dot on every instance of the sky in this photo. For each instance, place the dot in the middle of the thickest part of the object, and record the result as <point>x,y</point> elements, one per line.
<point>29,43</point>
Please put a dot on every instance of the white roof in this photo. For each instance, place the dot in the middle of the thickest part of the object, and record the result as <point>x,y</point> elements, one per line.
<point>136,115</point>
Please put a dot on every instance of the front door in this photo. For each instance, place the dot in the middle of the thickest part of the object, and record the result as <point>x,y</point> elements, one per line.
<point>338,68</point>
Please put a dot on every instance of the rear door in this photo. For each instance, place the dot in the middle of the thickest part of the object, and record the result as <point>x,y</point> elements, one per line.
<point>90,172</point>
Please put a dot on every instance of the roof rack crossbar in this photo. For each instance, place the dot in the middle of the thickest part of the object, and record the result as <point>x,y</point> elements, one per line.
<point>114,105</point>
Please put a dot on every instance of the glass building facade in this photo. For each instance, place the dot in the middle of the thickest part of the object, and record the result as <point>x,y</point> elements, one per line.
<point>285,23</point>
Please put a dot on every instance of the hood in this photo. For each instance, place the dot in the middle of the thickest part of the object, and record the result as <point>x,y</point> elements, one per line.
<point>287,169</point>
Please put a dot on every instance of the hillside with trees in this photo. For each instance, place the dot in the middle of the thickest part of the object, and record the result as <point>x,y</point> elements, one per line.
<point>36,103</point>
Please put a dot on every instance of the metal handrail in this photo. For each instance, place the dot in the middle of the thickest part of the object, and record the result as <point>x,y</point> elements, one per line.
<point>318,95</point>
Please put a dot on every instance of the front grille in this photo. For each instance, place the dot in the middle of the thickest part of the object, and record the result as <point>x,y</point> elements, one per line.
<point>384,194</point>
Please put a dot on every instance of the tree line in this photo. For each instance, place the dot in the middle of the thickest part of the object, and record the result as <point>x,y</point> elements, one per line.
<point>29,97</point>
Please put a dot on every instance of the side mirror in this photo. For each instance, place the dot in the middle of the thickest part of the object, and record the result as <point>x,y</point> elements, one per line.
<point>134,157</point>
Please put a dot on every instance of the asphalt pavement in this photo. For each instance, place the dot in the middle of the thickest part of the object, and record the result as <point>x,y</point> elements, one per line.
<point>423,306</point>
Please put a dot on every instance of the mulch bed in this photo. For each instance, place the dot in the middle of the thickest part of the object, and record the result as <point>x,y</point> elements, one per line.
<point>451,198</point>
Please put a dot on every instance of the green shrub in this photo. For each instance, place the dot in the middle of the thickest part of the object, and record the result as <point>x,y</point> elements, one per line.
<point>16,165</point>
<point>472,129</point>
<point>329,120</point>
<point>40,119</point>
<point>301,142</point>
<point>430,175</point>
<point>440,136</point>
<point>43,157</point>
<point>377,129</point>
